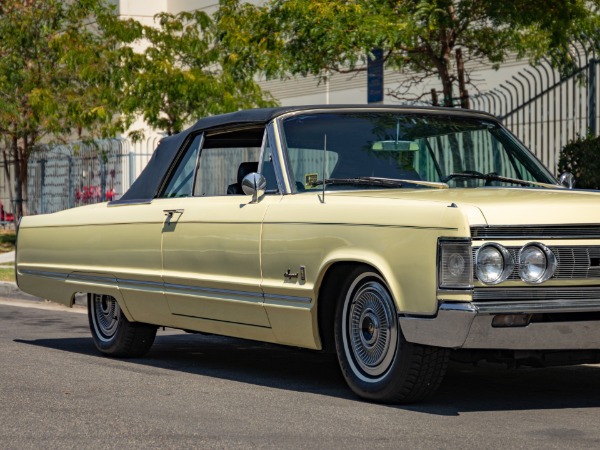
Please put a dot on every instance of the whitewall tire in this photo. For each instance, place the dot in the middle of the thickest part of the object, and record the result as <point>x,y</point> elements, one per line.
<point>376,361</point>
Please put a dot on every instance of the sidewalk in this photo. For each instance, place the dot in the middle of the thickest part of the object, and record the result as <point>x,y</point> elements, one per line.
<point>6,258</point>
<point>10,290</point>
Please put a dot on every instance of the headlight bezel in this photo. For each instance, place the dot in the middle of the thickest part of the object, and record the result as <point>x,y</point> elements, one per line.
<point>551,263</point>
<point>508,263</point>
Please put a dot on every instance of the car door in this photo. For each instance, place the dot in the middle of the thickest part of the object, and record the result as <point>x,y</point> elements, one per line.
<point>132,245</point>
<point>211,239</point>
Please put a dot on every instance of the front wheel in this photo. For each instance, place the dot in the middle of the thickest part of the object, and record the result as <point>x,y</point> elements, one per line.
<point>113,334</point>
<point>376,361</point>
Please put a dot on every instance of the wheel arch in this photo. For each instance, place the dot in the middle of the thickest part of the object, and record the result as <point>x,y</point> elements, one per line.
<point>113,292</point>
<point>328,295</point>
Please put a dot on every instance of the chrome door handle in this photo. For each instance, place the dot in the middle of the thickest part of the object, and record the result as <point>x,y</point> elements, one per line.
<point>170,212</point>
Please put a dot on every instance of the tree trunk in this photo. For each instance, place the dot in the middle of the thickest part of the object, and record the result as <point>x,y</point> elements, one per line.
<point>23,161</point>
<point>18,185</point>
<point>434,98</point>
<point>462,85</point>
<point>6,160</point>
<point>446,84</point>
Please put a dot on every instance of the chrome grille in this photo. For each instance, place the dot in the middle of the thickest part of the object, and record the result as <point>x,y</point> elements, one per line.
<point>537,232</point>
<point>537,293</point>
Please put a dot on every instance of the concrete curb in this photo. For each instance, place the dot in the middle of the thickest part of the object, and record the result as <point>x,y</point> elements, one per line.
<point>10,290</point>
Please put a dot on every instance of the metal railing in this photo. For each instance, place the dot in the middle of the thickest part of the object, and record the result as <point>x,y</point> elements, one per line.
<point>80,173</point>
<point>547,110</point>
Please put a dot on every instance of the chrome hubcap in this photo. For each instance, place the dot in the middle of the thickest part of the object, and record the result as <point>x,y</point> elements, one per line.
<point>106,315</point>
<point>372,329</point>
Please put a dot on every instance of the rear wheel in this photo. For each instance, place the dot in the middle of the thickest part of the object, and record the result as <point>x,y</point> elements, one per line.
<point>376,361</point>
<point>113,334</point>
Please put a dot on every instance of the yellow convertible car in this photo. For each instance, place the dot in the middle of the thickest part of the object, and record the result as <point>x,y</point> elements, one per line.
<point>396,237</point>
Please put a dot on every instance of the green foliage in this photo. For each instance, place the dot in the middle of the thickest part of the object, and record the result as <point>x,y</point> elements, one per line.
<point>58,76</point>
<point>180,76</point>
<point>581,157</point>
<point>68,70</point>
<point>8,239</point>
<point>56,70</point>
<point>430,39</point>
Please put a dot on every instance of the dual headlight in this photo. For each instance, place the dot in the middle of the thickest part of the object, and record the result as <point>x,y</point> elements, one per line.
<point>494,263</point>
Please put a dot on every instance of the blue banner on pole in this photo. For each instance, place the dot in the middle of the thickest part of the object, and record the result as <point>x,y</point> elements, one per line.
<point>375,77</point>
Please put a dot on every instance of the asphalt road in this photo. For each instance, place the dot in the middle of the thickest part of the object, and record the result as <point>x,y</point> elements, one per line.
<point>195,391</point>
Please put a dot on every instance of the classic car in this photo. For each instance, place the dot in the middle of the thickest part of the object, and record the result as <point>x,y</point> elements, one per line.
<point>397,237</point>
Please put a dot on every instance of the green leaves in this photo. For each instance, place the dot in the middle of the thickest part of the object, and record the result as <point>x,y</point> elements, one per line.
<point>419,38</point>
<point>57,69</point>
<point>183,75</point>
<point>580,157</point>
<point>73,68</point>
<point>59,76</point>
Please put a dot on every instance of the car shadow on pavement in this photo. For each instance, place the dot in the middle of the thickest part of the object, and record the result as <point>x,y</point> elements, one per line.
<point>466,388</point>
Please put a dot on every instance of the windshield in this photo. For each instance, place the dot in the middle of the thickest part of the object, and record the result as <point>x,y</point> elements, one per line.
<point>459,151</point>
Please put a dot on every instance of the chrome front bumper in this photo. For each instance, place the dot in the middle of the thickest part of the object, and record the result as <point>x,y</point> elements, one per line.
<point>469,325</point>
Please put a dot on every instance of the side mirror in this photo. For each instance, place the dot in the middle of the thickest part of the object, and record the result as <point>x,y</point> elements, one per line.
<point>254,184</point>
<point>567,180</point>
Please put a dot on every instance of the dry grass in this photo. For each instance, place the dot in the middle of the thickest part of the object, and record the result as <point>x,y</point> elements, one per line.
<point>7,273</point>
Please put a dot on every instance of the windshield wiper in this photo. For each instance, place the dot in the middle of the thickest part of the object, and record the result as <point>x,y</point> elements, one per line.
<point>492,176</point>
<point>362,181</point>
<point>377,181</point>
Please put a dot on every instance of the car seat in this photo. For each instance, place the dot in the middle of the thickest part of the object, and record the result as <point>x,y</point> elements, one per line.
<point>244,169</point>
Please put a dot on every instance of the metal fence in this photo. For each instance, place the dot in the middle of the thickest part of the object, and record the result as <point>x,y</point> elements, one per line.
<point>546,110</point>
<point>75,174</point>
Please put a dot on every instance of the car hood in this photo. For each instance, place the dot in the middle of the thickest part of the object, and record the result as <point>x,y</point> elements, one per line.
<point>508,206</point>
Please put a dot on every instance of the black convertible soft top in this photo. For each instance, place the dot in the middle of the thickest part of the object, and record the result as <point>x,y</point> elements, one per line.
<point>146,187</point>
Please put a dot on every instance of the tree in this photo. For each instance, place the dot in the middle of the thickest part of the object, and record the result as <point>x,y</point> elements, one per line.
<point>580,157</point>
<point>426,39</point>
<point>58,77</point>
<point>68,70</point>
<point>180,76</point>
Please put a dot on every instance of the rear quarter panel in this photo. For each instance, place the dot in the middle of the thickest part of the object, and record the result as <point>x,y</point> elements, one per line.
<point>87,249</point>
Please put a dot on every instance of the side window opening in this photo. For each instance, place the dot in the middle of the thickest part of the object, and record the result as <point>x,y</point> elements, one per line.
<point>226,157</point>
<point>215,163</point>
<point>182,180</point>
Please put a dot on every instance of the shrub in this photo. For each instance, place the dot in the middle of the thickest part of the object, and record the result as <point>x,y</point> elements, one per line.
<point>581,157</point>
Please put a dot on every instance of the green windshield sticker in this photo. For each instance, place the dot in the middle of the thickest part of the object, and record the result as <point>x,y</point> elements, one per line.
<point>310,179</point>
